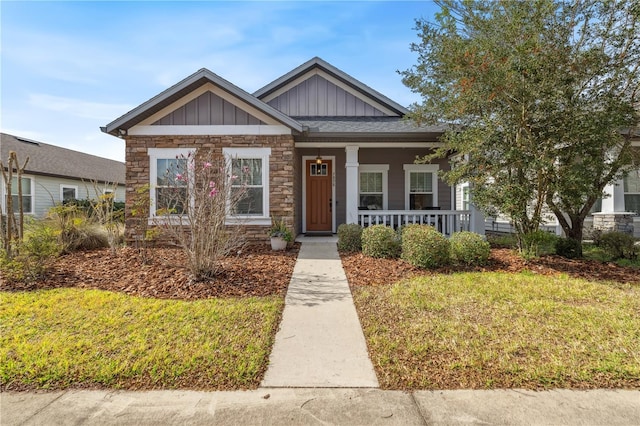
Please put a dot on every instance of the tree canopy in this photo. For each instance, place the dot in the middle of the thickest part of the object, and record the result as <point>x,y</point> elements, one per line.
<point>540,98</point>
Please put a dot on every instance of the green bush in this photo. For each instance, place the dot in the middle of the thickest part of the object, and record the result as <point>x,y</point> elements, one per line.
<point>349,237</point>
<point>568,247</point>
<point>537,243</point>
<point>380,241</point>
<point>469,248</point>
<point>618,245</point>
<point>424,246</point>
<point>31,255</point>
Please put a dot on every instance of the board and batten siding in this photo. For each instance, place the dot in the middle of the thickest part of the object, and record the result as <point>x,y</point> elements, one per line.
<point>317,96</point>
<point>47,192</point>
<point>208,109</point>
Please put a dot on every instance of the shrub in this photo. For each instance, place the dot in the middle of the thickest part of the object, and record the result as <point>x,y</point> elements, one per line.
<point>32,254</point>
<point>424,246</point>
<point>537,243</point>
<point>349,237</point>
<point>380,241</point>
<point>618,245</point>
<point>568,247</point>
<point>469,248</point>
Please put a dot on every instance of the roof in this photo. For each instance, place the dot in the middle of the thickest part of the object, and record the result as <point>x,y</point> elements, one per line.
<point>382,125</point>
<point>317,62</point>
<point>51,160</point>
<point>184,87</point>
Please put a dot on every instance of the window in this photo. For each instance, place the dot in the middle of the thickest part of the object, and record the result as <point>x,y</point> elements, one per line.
<point>632,191</point>
<point>68,193</point>
<point>372,189</point>
<point>465,197</point>
<point>251,166</point>
<point>167,191</point>
<point>421,186</point>
<point>27,195</point>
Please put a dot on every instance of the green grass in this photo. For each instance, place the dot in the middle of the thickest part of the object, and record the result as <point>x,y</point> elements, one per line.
<point>72,337</point>
<point>500,330</point>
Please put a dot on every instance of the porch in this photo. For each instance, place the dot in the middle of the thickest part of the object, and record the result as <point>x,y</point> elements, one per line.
<point>445,221</point>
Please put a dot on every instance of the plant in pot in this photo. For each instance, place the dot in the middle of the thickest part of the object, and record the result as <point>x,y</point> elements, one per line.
<point>280,235</point>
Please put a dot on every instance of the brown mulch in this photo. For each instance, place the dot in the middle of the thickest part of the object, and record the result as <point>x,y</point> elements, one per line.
<point>362,270</point>
<point>253,271</point>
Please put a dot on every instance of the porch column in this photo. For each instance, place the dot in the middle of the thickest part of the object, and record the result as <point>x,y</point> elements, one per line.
<point>352,183</point>
<point>476,218</point>
<point>615,201</point>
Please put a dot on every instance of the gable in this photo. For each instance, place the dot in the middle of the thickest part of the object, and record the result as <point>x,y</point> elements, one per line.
<point>209,109</point>
<point>317,96</point>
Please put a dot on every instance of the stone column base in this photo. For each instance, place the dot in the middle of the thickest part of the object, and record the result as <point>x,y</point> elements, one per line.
<point>614,221</point>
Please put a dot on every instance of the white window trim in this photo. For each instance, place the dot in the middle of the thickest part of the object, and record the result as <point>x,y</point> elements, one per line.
<point>64,186</point>
<point>629,192</point>
<point>248,153</point>
<point>156,154</point>
<point>377,168</point>
<point>33,195</point>
<point>428,168</point>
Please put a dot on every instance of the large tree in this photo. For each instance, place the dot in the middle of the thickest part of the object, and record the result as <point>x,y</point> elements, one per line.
<point>536,95</point>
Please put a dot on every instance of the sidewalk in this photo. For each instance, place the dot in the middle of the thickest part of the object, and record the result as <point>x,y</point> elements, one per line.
<point>322,406</point>
<point>320,341</point>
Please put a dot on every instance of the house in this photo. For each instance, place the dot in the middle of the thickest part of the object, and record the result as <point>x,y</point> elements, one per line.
<point>54,174</point>
<point>328,150</point>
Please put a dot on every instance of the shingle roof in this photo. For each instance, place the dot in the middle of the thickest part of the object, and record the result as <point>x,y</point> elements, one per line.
<point>51,160</point>
<point>340,125</point>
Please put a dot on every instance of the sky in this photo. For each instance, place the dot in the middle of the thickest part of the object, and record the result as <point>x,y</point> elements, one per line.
<point>67,68</point>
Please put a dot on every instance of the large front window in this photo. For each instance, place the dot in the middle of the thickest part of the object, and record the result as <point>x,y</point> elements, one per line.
<point>249,180</point>
<point>250,170</point>
<point>421,186</point>
<point>168,190</point>
<point>632,191</point>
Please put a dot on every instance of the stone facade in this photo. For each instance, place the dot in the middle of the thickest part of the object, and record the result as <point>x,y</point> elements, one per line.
<point>282,174</point>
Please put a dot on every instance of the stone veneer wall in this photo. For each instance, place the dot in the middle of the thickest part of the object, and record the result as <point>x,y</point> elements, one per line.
<point>615,221</point>
<point>282,174</point>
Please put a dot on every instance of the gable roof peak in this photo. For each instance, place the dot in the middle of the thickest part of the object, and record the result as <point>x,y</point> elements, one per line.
<point>317,62</point>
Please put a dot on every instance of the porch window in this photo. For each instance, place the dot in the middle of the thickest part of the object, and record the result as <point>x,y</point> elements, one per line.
<point>632,191</point>
<point>167,192</point>
<point>421,186</point>
<point>68,193</point>
<point>465,197</point>
<point>372,189</point>
<point>27,194</point>
<point>251,166</point>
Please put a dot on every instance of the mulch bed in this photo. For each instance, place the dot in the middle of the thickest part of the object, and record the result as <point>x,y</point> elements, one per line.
<point>253,271</point>
<point>362,270</point>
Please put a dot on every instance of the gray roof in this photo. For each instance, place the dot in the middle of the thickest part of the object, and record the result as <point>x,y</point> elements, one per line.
<point>317,62</point>
<point>51,160</point>
<point>323,126</point>
<point>186,86</point>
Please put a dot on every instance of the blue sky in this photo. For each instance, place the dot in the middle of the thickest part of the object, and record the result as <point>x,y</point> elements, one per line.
<point>68,68</point>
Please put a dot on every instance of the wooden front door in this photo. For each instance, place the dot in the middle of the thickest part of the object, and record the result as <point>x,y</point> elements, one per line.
<point>318,190</point>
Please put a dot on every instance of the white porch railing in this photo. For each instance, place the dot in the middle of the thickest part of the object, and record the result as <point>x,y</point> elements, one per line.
<point>445,221</point>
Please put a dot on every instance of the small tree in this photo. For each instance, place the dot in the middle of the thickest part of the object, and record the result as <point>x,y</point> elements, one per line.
<point>104,211</point>
<point>12,228</point>
<point>192,207</point>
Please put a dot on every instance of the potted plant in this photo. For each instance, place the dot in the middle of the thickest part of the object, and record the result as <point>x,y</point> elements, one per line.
<point>280,235</point>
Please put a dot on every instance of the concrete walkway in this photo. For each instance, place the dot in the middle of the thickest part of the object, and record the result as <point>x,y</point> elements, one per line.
<point>320,342</point>
<point>322,407</point>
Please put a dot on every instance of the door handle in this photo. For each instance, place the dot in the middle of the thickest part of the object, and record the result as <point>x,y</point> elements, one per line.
<point>330,205</point>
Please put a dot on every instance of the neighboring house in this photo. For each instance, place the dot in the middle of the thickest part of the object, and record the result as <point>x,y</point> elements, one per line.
<point>54,174</point>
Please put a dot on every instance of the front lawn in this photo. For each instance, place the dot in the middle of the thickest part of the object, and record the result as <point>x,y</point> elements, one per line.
<point>71,337</point>
<point>502,330</point>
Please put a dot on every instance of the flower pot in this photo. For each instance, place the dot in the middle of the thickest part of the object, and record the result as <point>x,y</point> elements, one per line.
<point>278,243</point>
